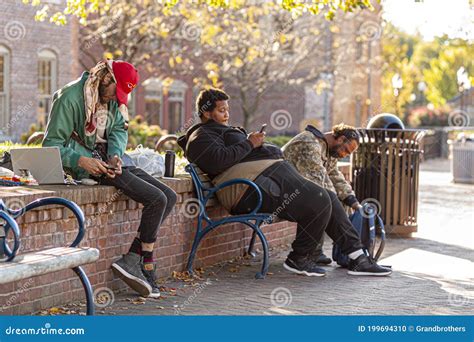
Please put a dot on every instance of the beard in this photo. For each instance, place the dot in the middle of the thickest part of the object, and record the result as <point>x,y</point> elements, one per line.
<point>334,151</point>
<point>102,90</point>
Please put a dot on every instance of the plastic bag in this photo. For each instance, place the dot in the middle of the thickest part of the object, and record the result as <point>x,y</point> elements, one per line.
<point>148,160</point>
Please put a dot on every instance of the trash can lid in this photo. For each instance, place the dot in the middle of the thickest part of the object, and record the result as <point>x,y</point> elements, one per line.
<point>386,121</point>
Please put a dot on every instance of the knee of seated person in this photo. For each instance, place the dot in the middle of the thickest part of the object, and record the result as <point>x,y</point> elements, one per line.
<point>320,193</point>
<point>325,198</point>
<point>158,199</point>
<point>171,197</point>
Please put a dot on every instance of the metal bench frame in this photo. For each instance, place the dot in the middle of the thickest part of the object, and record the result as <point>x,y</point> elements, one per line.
<point>205,224</point>
<point>9,215</point>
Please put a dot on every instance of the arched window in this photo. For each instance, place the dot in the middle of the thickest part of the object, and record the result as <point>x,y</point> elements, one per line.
<point>47,82</point>
<point>153,101</point>
<point>4,88</point>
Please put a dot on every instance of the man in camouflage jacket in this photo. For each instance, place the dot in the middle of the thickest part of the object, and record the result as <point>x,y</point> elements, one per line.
<point>315,154</point>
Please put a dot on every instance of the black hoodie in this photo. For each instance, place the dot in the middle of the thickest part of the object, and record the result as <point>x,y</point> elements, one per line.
<point>214,147</point>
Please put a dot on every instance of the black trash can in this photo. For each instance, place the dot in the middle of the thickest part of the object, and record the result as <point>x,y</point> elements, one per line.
<point>385,170</point>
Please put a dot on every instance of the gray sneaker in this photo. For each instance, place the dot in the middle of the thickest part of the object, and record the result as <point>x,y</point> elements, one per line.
<point>129,269</point>
<point>149,271</point>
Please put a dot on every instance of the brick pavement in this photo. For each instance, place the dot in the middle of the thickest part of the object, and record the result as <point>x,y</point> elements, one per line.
<point>433,273</point>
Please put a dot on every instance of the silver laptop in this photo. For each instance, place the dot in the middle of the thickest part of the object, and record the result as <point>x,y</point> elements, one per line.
<point>43,163</point>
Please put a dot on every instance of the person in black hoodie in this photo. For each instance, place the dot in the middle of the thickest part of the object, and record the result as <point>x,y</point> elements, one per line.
<point>225,152</point>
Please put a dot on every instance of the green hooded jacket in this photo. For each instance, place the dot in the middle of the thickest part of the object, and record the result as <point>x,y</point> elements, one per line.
<point>68,115</point>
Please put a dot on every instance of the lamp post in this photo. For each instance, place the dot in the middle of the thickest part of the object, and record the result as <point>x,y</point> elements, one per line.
<point>421,88</point>
<point>397,84</point>
<point>463,84</point>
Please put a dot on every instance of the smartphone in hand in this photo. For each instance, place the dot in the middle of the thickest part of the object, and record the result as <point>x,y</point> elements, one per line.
<point>263,128</point>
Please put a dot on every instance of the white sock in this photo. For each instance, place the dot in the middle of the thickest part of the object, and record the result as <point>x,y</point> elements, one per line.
<point>356,254</point>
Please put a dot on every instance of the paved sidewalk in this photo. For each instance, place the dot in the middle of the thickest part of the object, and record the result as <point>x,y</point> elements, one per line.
<point>433,272</point>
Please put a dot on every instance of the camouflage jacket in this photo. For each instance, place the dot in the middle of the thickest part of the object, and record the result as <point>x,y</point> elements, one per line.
<point>308,152</point>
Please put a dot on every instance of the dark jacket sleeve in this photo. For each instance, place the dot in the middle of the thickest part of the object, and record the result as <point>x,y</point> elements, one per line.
<point>208,150</point>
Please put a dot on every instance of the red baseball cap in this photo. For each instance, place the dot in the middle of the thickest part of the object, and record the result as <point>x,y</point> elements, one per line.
<point>127,78</point>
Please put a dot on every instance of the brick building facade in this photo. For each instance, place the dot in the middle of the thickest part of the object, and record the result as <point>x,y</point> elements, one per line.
<point>36,58</point>
<point>32,68</point>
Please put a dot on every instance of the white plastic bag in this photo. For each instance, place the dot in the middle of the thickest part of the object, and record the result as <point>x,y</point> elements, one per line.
<point>148,160</point>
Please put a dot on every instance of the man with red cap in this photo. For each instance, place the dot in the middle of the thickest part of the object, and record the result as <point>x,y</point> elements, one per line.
<point>88,123</point>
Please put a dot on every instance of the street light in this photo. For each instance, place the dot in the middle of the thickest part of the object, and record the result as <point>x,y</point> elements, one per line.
<point>421,88</point>
<point>463,83</point>
<point>397,84</point>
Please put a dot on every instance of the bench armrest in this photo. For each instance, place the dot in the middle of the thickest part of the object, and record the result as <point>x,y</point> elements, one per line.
<point>54,201</point>
<point>234,181</point>
<point>10,224</point>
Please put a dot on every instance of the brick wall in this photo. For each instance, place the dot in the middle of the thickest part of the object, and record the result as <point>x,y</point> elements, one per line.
<point>112,223</point>
<point>24,38</point>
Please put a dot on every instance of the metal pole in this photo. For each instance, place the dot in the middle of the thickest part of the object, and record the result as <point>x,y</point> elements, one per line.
<point>2,240</point>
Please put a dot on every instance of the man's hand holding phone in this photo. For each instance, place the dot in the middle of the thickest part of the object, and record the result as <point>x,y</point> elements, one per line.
<point>114,166</point>
<point>257,138</point>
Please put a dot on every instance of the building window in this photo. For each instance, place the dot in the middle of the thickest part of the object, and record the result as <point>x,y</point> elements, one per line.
<point>4,88</point>
<point>153,101</point>
<point>176,105</point>
<point>47,83</point>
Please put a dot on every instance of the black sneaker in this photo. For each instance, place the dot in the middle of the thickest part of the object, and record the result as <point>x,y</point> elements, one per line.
<point>303,265</point>
<point>149,269</point>
<point>365,266</point>
<point>320,258</point>
<point>129,269</point>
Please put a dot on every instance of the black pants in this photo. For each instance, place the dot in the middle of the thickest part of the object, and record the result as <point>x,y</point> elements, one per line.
<point>158,200</point>
<point>292,197</point>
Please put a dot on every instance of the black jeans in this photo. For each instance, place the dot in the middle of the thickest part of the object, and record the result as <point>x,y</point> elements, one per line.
<point>292,197</point>
<point>158,200</point>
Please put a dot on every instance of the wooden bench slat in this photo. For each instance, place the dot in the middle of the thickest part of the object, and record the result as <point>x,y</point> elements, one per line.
<point>47,261</point>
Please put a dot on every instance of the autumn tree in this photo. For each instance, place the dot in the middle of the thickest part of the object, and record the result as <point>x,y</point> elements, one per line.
<point>250,46</point>
<point>440,76</point>
<point>397,53</point>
